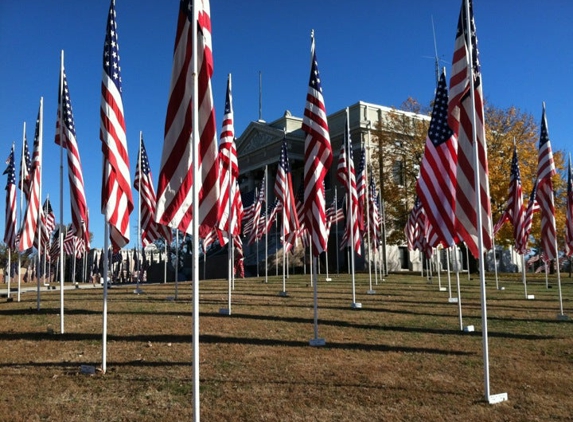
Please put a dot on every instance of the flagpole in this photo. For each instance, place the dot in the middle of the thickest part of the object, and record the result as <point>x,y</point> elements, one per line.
<point>137,289</point>
<point>195,222</point>
<point>165,264</point>
<point>39,226</point>
<point>469,42</point>
<point>177,261</point>
<point>105,278</point>
<point>561,315</point>
<point>354,305</point>
<point>370,291</point>
<point>266,222</point>
<point>336,227</point>
<point>61,136</point>
<point>21,210</point>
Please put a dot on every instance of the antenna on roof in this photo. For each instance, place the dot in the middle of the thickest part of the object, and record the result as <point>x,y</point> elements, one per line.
<point>437,62</point>
<point>261,96</point>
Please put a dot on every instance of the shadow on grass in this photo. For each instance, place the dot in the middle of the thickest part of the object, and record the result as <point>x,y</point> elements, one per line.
<point>215,339</point>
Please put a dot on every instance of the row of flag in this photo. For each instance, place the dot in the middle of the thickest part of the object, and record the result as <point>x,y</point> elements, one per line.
<point>454,170</point>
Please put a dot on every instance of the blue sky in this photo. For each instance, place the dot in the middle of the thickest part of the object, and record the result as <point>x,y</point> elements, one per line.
<point>375,51</point>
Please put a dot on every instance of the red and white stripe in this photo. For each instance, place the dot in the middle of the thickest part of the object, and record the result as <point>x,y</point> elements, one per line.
<point>347,177</point>
<point>545,171</point>
<point>66,138</point>
<point>10,221</point>
<point>175,186</point>
<point>436,186</point>
<point>32,215</point>
<point>285,194</point>
<point>569,212</point>
<point>116,198</point>
<point>143,183</point>
<point>229,167</point>
<point>317,159</point>
<point>466,119</point>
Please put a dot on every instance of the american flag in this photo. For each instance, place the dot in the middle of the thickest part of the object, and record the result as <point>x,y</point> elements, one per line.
<point>347,177</point>
<point>361,187</point>
<point>545,171</point>
<point>466,119</point>
<point>237,210</point>
<point>66,138</point>
<point>70,240</point>
<point>515,205</point>
<point>412,229</point>
<point>143,183</point>
<point>284,193</point>
<point>317,159</point>
<point>10,222</point>
<point>32,215</point>
<point>532,207</point>
<point>175,186</point>
<point>253,232</point>
<point>569,213</point>
<point>374,217</point>
<point>48,222</point>
<point>436,186</point>
<point>248,200</point>
<point>299,201</point>
<point>116,199</point>
<point>209,239</point>
<point>229,167</point>
<point>25,170</point>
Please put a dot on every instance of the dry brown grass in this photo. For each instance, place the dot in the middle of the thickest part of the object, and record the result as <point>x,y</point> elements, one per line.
<point>400,358</point>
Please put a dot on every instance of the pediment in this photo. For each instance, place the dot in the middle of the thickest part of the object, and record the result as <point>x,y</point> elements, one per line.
<point>258,136</point>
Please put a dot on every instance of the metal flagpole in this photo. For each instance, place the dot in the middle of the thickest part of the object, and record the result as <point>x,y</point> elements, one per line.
<point>165,264</point>
<point>494,259</point>
<point>503,396</point>
<point>450,299</point>
<point>21,211</point>
<point>316,341</point>
<point>195,222</point>
<point>105,279</point>
<point>61,130</point>
<point>336,231</point>
<point>370,291</point>
<point>266,225</point>
<point>459,298</point>
<point>137,289</point>
<point>177,261</point>
<point>355,305</point>
<point>39,227</point>
<point>561,315</point>
<point>284,293</point>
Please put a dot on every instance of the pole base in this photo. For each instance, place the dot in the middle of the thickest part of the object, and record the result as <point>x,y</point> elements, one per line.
<point>283,294</point>
<point>356,305</point>
<point>453,300</point>
<point>317,342</point>
<point>328,279</point>
<point>530,297</point>
<point>497,398</point>
<point>224,311</point>
<point>138,291</point>
<point>501,288</point>
<point>469,329</point>
<point>443,289</point>
<point>371,292</point>
<point>170,298</point>
<point>562,317</point>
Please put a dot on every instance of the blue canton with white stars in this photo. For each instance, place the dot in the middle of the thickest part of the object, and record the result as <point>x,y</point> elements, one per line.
<point>111,50</point>
<point>67,109</point>
<point>11,170</point>
<point>439,131</point>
